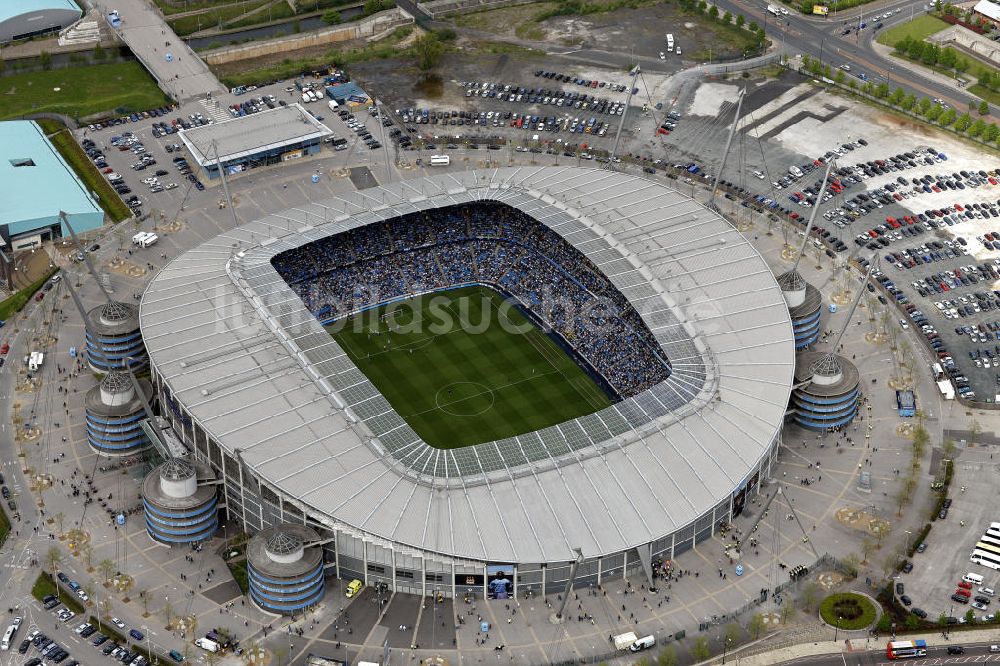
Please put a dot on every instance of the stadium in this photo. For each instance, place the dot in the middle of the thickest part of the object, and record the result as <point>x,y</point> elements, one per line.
<point>625,399</point>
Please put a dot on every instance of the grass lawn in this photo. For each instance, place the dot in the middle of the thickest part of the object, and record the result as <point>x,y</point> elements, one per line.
<point>83,91</point>
<point>44,586</point>
<point>848,611</point>
<point>12,305</point>
<point>92,179</point>
<point>458,385</point>
<point>169,7</point>
<point>239,570</point>
<point>186,25</point>
<point>4,525</point>
<point>919,28</point>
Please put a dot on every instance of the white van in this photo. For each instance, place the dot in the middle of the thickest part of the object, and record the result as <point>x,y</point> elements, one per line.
<point>332,104</point>
<point>773,10</point>
<point>149,240</point>
<point>973,578</point>
<point>440,160</point>
<point>643,643</point>
<point>7,636</point>
<point>207,644</point>
<point>139,237</point>
<point>306,98</point>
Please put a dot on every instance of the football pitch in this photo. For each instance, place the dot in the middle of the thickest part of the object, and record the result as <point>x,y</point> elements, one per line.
<point>463,368</point>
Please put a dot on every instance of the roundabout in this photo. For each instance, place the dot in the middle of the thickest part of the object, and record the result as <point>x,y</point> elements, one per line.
<point>848,611</point>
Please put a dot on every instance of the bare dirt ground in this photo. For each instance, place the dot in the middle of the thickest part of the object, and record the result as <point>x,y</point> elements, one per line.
<point>640,31</point>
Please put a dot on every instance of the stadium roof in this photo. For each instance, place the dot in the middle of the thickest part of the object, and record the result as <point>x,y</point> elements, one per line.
<point>12,8</point>
<point>253,134</point>
<point>35,182</point>
<point>252,366</point>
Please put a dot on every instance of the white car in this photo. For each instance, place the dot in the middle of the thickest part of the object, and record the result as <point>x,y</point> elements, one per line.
<point>845,67</point>
<point>784,11</point>
<point>83,595</point>
<point>118,623</point>
<point>663,56</point>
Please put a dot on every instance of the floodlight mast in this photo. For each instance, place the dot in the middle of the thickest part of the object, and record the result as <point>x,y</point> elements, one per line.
<point>86,257</point>
<point>729,143</point>
<point>610,166</point>
<point>225,184</point>
<point>812,216</point>
<point>854,305</point>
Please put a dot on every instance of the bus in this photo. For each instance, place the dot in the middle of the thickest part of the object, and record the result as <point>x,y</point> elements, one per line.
<point>7,636</point>
<point>988,547</point>
<point>987,538</point>
<point>440,160</point>
<point>906,649</point>
<point>985,558</point>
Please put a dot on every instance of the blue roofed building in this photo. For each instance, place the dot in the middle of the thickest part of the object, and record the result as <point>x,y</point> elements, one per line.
<point>21,19</point>
<point>35,184</point>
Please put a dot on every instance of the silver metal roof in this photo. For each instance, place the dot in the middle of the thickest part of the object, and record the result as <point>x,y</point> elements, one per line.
<point>252,134</point>
<point>238,348</point>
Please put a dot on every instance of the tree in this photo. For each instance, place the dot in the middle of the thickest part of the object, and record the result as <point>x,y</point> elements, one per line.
<point>60,519</point>
<point>45,58</point>
<point>168,611</point>
<point>963,122</point>
<point>787,610</point>
<point>942,620</point>
<point>970,616</point>
<point>52,558</point>
<point>923,106</point>
<point>740,20</point>
<point>991,132</point>
<point>107,568</point>
<point>810,596</point>
<point>429,50</point>
<point>986,79</point>
<point>331,17</point>
<point>757,625</point>
<point>909,102</point>
<point>700,650</point>
<point>733,634</point>
<point>727,18</point>
<point>934,113</point>
<point>911,621</point>
<point>144,598</point>
<point>839,77</point>
<point>882,91</point>
<point>977,127</point>
<point>714,12</point>
<point>753,26</point>
<point>104,605</point>
<point>88,556</point>
<point>984,108</point>
<point>947,117</point>
<point>667,657</point>
<point>867,546</point>
<point>88,589</point>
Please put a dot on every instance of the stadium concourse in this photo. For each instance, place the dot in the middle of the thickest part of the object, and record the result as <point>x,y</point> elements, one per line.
<point>701,357</point>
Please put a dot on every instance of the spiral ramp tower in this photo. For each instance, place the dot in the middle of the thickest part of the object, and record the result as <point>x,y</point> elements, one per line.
<point>114,415</point>
<point>805,305</point>
<point>827,390</point>
<point>180,501</point>
<point>113,337</point>
<point>285,568</point>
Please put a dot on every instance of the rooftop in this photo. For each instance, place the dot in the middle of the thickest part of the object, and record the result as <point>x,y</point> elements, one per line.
<point>11,8</point>
<point>249,135</point>
<point>35,182</point>
<point>988,9</point>
<point>309,424</point>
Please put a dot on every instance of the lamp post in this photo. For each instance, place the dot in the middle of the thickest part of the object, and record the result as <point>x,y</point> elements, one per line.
<point>836,628</point>
<point>725,648</point>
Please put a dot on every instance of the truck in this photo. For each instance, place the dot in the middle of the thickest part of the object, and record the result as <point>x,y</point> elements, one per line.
<point>207,644</point>
<point>670,41</point>
<point>149,240</point>
<point>771,9</point>
<point>34,360</point>
<point>624,641</point>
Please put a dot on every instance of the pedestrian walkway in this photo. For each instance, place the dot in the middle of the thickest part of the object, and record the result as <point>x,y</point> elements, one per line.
<point>215,110</point>
<point>177,69</point>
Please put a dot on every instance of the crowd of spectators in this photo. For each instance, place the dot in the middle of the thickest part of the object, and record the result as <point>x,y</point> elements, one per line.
<point>485,243</point>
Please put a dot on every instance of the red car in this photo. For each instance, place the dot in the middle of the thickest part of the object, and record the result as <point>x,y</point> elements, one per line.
<point>965,586</point>
<point>964,592</point>
<point>5,348</point>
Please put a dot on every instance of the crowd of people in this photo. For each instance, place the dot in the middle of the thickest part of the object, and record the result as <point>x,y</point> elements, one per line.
<point>485,243</point>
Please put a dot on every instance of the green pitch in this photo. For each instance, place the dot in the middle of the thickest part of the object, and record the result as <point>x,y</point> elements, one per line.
<point>494,376</point>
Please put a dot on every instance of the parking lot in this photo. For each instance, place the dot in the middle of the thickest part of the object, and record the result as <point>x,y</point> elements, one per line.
<point>937,572</point>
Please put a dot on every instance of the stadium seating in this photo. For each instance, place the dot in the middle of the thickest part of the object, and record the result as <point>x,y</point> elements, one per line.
<point>486,243</point>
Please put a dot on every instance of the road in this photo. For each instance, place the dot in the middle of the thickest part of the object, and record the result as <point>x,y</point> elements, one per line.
<point>823,38</point>
<point>976,653</point>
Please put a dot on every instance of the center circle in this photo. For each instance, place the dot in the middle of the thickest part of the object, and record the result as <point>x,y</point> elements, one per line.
<point>464,398</point>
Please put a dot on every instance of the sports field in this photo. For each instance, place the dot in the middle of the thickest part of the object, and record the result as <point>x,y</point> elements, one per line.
<point>463,368</point>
